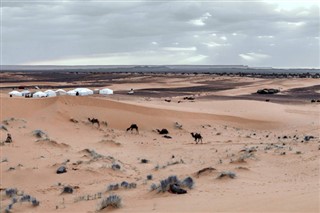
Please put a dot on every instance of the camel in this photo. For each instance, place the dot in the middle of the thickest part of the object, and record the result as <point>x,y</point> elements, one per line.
<point>132,127</point>
<point>9,138</point>
<point>163,131</point>
<point>197,137</point>
<point>93,121</point>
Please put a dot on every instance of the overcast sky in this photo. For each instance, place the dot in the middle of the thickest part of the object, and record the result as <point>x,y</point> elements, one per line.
<point>83,32</point>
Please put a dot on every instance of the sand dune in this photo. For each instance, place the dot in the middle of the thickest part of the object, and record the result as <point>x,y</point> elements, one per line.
<point>277,169</point>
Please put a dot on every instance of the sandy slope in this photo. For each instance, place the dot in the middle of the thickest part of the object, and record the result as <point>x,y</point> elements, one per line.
<point>267,182</point>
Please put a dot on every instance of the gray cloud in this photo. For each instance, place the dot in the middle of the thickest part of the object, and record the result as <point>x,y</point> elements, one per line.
<point>97,32</point>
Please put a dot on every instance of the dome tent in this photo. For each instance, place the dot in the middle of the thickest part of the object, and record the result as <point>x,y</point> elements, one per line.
<point>60,92</point>
<point>39,94</point>
<point>25,92</point>
<point>106,91</point>
<point>50,93</point>
<point>84,91</point>
<point>80,92</point>
<point>15,93</point>
<point>72,93</point>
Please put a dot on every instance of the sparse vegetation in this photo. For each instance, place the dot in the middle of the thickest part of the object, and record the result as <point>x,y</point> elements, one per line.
<point>18,196</point>
<point>229,174</point>
<point>116,166</point>
<point>39,133</point>
<point>165,184</point>
<point>113,201</point>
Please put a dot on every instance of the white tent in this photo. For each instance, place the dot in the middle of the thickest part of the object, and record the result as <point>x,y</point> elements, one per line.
<point>106,91</point>
<point>39,94</point>
<point>25,92</point>
<point>60,92</point>
<point>72,93</point>
<point>15,93</point>
<point>84,91</point>
<point>80,92</point>
<point>50,93</point>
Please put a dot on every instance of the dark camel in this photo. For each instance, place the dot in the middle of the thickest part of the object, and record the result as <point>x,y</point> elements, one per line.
<point>197,137</point>
<point>94,120</point>
<point>163,131</point>
<point>132,127</point>
<point>9,138</point>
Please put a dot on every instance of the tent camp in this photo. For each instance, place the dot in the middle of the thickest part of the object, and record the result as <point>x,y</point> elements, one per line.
<point>15,93</point>
<point>106,91</point>
<point>39,94</point>
<point>60,92</point>
<point>50,93</point>
<point>25,92</point>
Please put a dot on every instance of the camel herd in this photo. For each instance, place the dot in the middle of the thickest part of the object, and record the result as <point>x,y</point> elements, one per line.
<point>197,136</point>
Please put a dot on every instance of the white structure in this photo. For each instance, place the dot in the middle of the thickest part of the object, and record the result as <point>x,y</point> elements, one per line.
<point>15,93</point>
<point>50,93</point>
<point>25,92</point>
<point>83,91</point>
<point>80,92</point>
<point>60,92</point>
<point>106,91</point>
<point>39,94</point>
<point>72,93</point>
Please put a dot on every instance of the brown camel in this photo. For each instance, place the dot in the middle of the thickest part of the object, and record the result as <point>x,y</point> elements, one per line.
<point>132,127</point>
<point>93,121</point>
<point>9,138</point>
<point>197,137</point>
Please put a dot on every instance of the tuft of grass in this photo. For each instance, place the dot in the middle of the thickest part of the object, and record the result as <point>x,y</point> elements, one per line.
<point>227,174</point>
<point>39,133</point>
<point>113,201</point>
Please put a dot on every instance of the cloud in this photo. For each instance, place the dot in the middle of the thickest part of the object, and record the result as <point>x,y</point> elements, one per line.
<point>253,56</point>
<point>146,32</point>
<point>200,21</point>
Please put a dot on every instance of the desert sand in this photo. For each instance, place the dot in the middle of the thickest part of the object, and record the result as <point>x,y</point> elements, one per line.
<point>263,143</point>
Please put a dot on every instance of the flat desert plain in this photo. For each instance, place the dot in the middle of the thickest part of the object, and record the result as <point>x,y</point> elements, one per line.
<point>269,151</point>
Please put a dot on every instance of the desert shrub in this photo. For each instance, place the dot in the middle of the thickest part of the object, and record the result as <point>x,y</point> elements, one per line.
<point>25,198</point>
<point>165,184</point>
<point>188,182</point>
<point>67,189</point>
<point>124,184</point>
<point>153,187</point>
<point>39,133</point>
<point>113,187</point>
<point>116,166</point>
<point>10,192</point>
<point>113,201</point>
<point>144,161</point>
<point>34,202</point>
<point>226,174</point>
<point>3,127</point>
<point>132,186</point>
<point>149,177</point>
